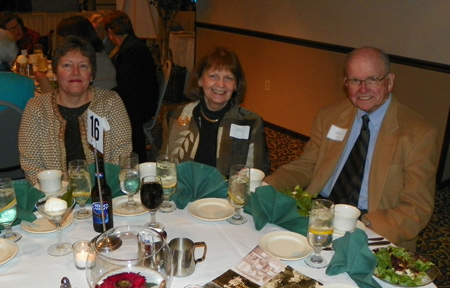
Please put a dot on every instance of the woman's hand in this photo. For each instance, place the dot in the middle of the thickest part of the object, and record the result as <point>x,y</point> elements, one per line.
<point>44,83</point>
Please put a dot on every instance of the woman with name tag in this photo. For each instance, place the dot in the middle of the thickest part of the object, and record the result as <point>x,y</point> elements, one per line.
<point>214,129</point>
<point>53,130</point>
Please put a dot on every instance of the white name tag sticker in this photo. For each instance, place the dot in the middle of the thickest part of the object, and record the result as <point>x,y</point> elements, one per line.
<point>240,132</point>
<point>96,126</point>
<point>336,133</point>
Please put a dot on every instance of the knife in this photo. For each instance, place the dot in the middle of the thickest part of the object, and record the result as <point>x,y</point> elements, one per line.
<point>379,243</point>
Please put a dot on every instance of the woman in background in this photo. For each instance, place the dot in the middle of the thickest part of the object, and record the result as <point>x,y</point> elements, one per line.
<point>214,129</point>
<point>25,37</point>
<point>53,130</point>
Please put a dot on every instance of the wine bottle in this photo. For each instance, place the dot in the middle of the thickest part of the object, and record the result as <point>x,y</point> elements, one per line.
<point>106,207</point>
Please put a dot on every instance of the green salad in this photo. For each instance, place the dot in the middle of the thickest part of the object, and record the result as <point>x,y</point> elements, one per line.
<point>401,267</point>
<point>302,198</point>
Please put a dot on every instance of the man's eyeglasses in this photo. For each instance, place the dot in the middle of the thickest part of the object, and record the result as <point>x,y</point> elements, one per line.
<point>15,28</point>
<point>370,82</point>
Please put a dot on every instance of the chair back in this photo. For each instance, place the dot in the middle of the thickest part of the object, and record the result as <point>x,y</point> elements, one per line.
<point>163,80</point>
<point>9,150</point>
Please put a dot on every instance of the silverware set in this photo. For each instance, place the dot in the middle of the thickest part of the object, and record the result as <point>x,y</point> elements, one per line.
<point>375,241</point>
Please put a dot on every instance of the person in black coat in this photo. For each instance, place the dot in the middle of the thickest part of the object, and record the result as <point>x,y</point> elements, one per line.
<point>136,76</point>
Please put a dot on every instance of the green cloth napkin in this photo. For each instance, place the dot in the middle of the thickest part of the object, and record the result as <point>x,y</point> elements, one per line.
<point>26,196</point>
<point>267,205</point>
<point>352,255</point>
<point>197,181</point>
<point>112,178</point>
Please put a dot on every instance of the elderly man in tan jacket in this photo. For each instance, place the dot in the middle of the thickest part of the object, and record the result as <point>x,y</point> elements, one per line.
<point>398,186</point>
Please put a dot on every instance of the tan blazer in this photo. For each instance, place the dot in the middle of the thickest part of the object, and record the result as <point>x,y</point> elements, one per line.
<point>402,176</point>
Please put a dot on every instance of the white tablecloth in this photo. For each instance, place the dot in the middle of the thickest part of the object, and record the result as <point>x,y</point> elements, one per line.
<point>227,245</point>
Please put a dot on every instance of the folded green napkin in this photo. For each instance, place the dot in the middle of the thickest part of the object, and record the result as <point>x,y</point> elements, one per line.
<point>352,255</point>
<point>112,178</point>
<point>267,205</point>
<point>197,181</point>
<point>26,196</point>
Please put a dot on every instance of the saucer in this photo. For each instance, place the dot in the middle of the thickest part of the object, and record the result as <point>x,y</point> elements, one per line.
<point>42,225</point>
<point>63,188</point>
<point>8,250</point>
<point>119,211</point>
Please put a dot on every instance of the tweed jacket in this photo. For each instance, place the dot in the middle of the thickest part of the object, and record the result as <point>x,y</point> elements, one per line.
<point>182,141</point>
<point>42,132</point>
<point>402,175</point>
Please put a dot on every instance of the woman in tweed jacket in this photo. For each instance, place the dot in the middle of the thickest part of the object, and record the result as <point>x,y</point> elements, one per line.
<point>214,129</point>
<point>54,125</point>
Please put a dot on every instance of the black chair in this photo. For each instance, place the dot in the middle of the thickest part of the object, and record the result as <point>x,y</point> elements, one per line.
<point>46,42</point>
<point>9,151</point>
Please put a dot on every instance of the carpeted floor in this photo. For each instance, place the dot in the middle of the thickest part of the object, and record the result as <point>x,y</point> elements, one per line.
<point>434,240</point>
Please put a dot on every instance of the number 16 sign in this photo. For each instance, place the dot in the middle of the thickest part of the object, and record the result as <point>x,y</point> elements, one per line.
<point>96,126</point>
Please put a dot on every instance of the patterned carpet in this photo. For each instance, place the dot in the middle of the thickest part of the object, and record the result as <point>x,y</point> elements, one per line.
<point>434,240</point>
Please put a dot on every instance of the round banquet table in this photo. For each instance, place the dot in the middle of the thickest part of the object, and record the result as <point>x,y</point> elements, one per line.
<point>227,244</point>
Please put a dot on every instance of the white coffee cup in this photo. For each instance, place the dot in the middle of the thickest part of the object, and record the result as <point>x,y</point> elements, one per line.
<point>256,177</point>
<point>147,169</point>
<point>345,218</point>
<point>49,180</point>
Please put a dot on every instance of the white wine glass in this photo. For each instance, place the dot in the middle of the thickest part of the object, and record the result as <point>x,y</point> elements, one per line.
<point>320,231</point>
<point>56,213</point>
<point>8,209</point>
<point>238,192</point>
<point>152,196</point>
<point>166,168</point>
<point>129,178</point>
<point>80,186</point>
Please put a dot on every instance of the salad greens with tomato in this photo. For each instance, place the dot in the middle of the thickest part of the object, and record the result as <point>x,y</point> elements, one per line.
<point>302,198</point>
<point>401,267</point>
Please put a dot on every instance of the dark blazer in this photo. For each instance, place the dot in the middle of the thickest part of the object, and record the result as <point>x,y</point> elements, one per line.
<point>137,86</point>
<point>402,175</point>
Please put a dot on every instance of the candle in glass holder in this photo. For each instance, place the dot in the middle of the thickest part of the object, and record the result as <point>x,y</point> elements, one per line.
<point>80,253</point>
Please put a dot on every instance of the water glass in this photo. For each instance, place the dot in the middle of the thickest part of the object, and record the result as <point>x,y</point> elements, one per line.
<point>238,191</point>
<point>80,186</point>
<point>8,209</point>
<point>129,178</point>
<point>166,168</point>
<point>320,231</point>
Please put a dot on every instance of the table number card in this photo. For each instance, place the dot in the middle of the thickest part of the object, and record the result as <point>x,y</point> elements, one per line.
<point>96,126</point>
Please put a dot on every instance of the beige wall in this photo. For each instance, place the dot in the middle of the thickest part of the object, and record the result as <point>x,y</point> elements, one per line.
<point>303,79</point>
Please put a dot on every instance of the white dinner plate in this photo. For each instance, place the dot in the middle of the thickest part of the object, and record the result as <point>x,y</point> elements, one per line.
<point>211,209</point>
<point>285,245</point>
<point>8,250</point>
<point>63,188</point>
<point>359,225</point>
<point>42,225</point>
<point>119,211</point>
<point>339,285</point>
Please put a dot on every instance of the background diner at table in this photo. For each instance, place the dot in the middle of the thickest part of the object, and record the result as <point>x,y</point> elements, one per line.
<point>394,188</point>
<point>26,38</point>
<point>214,129</point>
<point>54,125</point>
<point>16,89</point>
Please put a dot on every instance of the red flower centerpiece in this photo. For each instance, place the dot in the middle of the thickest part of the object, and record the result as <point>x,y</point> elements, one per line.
<point>124,280</point>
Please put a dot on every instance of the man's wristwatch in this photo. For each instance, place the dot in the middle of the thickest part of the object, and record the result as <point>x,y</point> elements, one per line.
<point>365,221</point>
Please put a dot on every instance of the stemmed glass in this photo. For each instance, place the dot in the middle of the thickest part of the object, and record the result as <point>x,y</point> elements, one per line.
<point>166,168</point>
<point>238,191</point>
<point>56,215</point>
<point>320,231</point>
<point>129,178</point>
<point>80,186</point>
<point>8,209</point>
<point>152,197</point>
